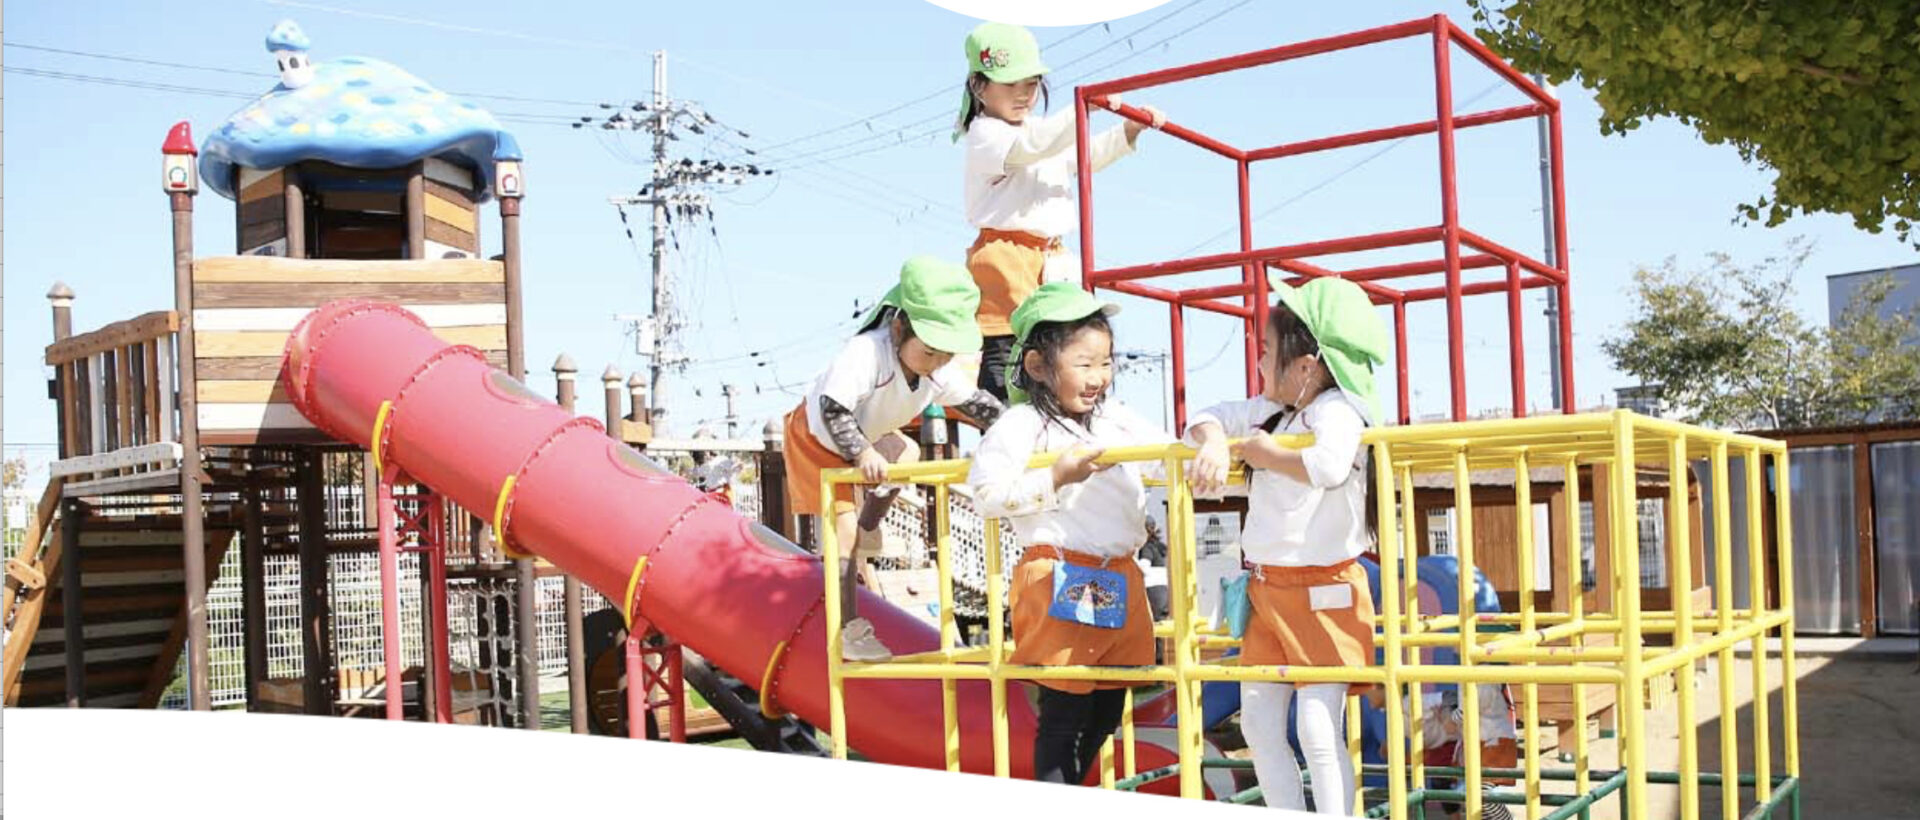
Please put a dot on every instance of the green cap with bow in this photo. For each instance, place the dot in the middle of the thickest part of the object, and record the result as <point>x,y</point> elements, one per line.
<point>1005,54</point>
<point>1351,336</point>
<point>939,300</point>
<point>1051,302</point>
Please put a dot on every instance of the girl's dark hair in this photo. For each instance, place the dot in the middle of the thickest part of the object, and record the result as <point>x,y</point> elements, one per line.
<point>884,318</point>
<point>974,81</point>
<point>1048,339</point>
<point>1292,339</point>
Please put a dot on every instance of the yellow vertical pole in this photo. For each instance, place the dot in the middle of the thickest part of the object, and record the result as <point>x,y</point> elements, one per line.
<point>830,573</point>
<point>1625,544</point>
<point>1129,752</point>
<point>1757,600</point>
<point>1184,588</point>
<point>949,629</point>
<point>1410,600</point>
<point>1469,693</point>
<point>1680,545</point>
<point>1352,714</point>
<point>1530,691</point>
<point>996,648</point>
<point>1106,763</point>
<point>1577,603</point>
<point>1789,697</point>
<point>1723,606</point>
<point>1394,550</point>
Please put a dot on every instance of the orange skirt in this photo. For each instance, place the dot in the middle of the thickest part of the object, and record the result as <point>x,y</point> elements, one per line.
<point>1310,616</point>
<point>1042,640</point>
<point>806,458</point>
<point>1006,265</point>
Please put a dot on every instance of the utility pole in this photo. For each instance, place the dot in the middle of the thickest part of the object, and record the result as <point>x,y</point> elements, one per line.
<point>1551,253</point>
<point>676,188</point>
<point>732,392</point>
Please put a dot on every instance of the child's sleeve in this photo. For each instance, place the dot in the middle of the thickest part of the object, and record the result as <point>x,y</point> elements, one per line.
<point>1234,417</point>
<point>1002,484</point>
<point>848,380</point>
<point>1336,428</point>
<point>994,147</point>
<point>1108,145</point>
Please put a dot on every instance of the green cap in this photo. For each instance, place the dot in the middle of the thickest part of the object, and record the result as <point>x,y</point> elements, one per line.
<point>940,300</point>
<point>1051,302</point>
<point>1005,53</point>
<point>1351,336</point>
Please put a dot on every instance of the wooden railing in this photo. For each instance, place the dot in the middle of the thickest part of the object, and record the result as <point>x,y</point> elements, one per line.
<point>115,386</point>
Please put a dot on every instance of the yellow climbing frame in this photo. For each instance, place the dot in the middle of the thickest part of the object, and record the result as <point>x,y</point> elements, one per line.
<point>1526,649</point>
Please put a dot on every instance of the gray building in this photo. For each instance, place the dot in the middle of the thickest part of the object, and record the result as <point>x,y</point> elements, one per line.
<point>1905,296</point>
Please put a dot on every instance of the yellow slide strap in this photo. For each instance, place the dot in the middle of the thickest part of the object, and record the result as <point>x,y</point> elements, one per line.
<point>767,706</point>
<point>500,518</point>
<point>379,427</point>
<point>633,583</point>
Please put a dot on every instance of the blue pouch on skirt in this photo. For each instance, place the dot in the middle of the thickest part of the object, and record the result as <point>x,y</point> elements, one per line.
<point>1089,595</point>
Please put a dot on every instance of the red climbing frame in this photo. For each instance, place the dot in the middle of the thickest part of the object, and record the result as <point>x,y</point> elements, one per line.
<point>1521,271</point>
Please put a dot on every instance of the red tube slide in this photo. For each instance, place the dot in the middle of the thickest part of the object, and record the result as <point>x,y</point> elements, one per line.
<point>556,486</point>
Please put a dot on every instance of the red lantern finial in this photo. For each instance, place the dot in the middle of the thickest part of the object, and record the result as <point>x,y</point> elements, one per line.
<point>180,140</point>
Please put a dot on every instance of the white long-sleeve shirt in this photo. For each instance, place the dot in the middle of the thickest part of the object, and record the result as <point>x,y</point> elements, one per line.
<point>1289,523</point>
<point>1105,515</point>
<point>866,378</point>
<point>1021,177</point>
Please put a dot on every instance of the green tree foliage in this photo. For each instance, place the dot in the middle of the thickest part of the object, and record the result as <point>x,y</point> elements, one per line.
<point>1727,348</point>
<point>1824,92</point>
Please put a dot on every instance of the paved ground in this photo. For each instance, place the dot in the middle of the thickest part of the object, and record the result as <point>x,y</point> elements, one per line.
<point>1859,734</point>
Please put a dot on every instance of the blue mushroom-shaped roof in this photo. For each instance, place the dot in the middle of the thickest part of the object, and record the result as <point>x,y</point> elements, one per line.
<point>287,36</point>
<point>358,112</point>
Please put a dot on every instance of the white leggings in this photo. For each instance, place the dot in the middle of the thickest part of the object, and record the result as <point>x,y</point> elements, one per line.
<point>1321,725</point>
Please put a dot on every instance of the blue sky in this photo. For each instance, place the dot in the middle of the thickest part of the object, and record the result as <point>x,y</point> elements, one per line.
<point>787,258</point>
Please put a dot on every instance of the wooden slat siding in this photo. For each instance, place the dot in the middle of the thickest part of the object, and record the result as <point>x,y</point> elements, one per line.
<point>101,678</point>
<point>362,201</point>
<point>237,343</point>
<point>253,236</point>
<point>268,367</point>
<point>436,250</point>
<point>451,236</point>
<point>315,271</point>
<point>446,172</point>
<point>217,543</point>
<point>461,196</point>
<point>139,328</point>
<point>69,410</point>
<point>264,209</point>
<point>230,417</point>
<point>458,215</point>
<point>169,403</point>
<point>220,295</point>
<point>285,318</point>
<point>271,184</point>
<point>242,392</point>
<point>123,397</point>
<point>150,357</point>
<point>97,403</point>
<point>249,438</point>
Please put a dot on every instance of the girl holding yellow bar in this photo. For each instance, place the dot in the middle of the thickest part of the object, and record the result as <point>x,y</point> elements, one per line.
<point>1307,522</point>
<point>1078,597</point>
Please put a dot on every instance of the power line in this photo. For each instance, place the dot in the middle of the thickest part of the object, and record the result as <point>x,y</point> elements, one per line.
<point>122,58</point>
<point>1125,38</point>
<point>945,91</point>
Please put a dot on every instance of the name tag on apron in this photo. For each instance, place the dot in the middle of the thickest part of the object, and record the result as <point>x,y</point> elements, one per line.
<point>1331,596</point>
<point>1088,595</point>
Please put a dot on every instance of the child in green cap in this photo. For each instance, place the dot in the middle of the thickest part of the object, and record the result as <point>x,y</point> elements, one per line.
<point>1078,596</point>
<point>1019,188</point>
<point>1307,521</point>
<point>901,362</point>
